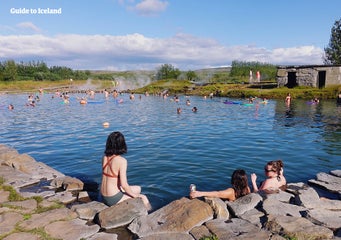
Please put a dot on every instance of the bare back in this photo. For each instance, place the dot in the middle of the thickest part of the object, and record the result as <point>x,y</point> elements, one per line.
<point>111,175</point>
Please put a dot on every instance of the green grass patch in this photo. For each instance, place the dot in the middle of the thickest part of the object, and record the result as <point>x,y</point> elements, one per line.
<point>13,194</point>
<point>213,237</point>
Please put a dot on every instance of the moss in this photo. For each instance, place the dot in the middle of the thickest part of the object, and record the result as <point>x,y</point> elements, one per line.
<point>13,194</point>
<point>56,205</point>
<point>213,237</point>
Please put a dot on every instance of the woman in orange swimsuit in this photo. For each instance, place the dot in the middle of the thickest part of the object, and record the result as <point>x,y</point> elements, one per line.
<point>115,187</point>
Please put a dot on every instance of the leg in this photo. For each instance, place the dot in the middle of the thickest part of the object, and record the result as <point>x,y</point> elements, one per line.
<point>136,189</point>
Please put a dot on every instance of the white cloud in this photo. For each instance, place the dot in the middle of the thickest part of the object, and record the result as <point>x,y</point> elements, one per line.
<point>135,51</point>
<point>28,26</point>
<point>149,7</point>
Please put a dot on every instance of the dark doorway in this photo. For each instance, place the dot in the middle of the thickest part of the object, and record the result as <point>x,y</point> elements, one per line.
<point>321,81</point>
<point>291,80</point>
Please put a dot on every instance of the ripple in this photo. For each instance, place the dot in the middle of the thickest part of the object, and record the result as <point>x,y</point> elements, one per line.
<point>168,151</point>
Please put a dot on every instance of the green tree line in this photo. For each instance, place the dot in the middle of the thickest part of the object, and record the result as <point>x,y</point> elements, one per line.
<point>242,69</point>
<point>38,71</point>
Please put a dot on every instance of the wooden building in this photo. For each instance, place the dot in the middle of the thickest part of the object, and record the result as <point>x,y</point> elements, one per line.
<point>310,75</point>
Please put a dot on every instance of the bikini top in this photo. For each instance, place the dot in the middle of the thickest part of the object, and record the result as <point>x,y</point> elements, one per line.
<point>112,175</point>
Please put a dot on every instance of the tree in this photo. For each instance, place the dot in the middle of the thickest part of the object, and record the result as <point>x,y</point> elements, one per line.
<point>10,71</point>
<point>191,75</point>
<point>167,71</point>
<point>333,51</point>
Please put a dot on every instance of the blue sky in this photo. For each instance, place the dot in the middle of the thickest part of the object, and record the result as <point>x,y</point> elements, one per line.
<point>144,34</point>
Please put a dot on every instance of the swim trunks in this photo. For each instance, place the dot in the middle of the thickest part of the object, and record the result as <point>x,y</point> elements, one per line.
<point>112,200</point>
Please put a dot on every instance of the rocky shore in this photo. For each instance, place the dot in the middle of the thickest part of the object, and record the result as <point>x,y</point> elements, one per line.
<point>61,209</point>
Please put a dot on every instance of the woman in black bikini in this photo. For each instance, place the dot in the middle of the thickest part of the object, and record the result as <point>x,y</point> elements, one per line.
<point>240,188</point>
<point>115,187</point>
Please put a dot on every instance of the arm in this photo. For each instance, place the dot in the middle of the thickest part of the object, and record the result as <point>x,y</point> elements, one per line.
<point>228,194</point>
<point>254,184</point>
<point>123,178</point>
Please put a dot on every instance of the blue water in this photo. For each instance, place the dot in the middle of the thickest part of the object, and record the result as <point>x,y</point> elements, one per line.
<point>169,151</point>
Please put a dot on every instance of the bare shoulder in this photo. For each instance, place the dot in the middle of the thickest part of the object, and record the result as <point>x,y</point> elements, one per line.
<point>120,160</point>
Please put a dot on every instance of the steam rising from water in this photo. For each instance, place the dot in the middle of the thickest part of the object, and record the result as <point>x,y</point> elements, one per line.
<point>88,85</point>
<point>121,83</point>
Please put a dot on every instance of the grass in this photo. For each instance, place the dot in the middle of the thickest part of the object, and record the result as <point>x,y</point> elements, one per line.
<point>15,196</point>
<point>240,90</point>
<point>233,90</point>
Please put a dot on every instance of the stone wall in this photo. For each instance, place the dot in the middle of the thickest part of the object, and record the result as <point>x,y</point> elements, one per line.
<point>308,75</point>
<point>297,213</point>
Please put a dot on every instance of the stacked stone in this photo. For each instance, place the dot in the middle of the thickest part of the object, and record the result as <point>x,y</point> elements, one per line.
<point>299,212</point>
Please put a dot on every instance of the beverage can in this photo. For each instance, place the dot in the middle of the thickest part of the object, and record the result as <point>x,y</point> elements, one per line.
<point>192,187</point>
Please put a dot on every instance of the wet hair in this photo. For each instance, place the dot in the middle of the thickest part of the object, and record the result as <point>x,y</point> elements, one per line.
<point>116,144</point>
<point>276,166</point>
<point>240,183</point>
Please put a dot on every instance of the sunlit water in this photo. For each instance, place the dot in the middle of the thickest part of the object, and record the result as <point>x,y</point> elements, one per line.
<point>169,151</point>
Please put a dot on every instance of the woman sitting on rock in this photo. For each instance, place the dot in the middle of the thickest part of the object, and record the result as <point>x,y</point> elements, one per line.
<point>240,188</point>
<point>115,187</point>
<point>275,178</point>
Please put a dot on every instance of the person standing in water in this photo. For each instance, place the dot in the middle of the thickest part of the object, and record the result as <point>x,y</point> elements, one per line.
<point>115,187</point>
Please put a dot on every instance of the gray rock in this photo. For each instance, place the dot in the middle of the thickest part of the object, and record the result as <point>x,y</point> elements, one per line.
<point>16,178</point>
<point>245,203</point>
<point>307,197</point>
<point>8,221</point>
<point>282,196</point>
<point>67,183</point>
<point>22,235</point>
<point>277,208</point>
<point>43,194</point>
<point>327,181</point>
<point>200,232</point>
<point>336,173</point>
<point>45,218</point>
<point>168,236</point>
<point>254,216</point>
<point>297,227</point>
<point>103,236</point>
<point>25,206</point>
<point>122,213</point>
<point>324,217</point>
<point>71,230</point>
<point>179,216</point>
<point>63,197</point>
<point>4,196</point>
<point>219,208</point>
<point>235,229</point>
<point>87,211</point>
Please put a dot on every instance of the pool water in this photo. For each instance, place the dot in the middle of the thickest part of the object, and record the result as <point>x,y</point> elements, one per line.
<point>169,151</point>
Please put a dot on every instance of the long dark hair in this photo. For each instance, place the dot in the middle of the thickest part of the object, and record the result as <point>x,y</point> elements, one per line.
<point>116,144</point>
<point>240,183</point>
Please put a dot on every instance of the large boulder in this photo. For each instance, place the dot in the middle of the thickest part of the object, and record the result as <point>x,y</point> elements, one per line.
<point>244,204</point>
<point>122,214</point>
<point>88,211</point>
<point>297,227</point>
<point>179,216</point>
<point>70,230</point>
<point>236,229</point>
<point>330,182</point>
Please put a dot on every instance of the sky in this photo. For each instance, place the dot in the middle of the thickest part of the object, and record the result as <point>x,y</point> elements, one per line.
<point>122,35</point>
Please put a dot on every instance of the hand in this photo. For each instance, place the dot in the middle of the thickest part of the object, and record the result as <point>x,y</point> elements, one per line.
<point>253,177</point>
<point>193,194</point>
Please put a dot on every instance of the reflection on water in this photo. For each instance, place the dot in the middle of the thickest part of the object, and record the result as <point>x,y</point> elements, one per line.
<point>169,151</point>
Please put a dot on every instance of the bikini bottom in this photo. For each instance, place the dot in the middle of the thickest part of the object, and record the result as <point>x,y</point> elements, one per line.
<point>112,200</point>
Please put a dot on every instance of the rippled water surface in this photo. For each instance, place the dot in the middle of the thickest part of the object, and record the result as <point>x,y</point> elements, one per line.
<point>168,151</point>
